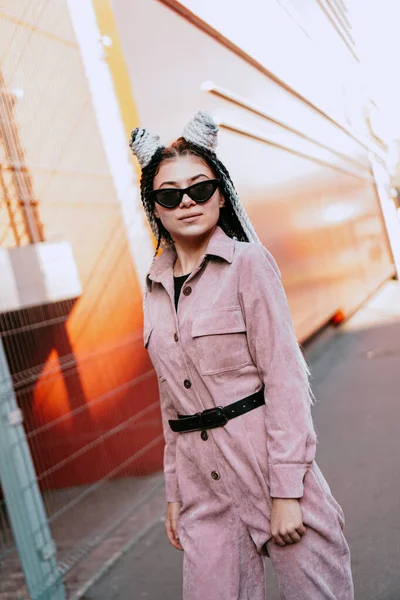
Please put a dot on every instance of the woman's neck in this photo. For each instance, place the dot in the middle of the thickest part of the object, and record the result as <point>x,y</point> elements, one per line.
<point>189,253</point>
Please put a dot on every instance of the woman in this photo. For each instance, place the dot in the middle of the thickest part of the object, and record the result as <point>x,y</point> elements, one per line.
<point>241,480</point>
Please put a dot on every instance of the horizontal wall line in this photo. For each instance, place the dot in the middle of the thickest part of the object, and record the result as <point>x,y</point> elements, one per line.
<point>110,432</point>
<point>14,166</point>
<point>213,88</point>
<point>266,140</point>
<point>35,29</point>
<point>88,405</point>
<point>107,477</point>
<point>340,7</point>
<point>68,363</point>
<point>339,26</point>
<point>206,28</point>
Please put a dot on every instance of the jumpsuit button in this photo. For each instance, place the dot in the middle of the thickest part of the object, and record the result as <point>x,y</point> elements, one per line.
<point>187,384</point>
<point>204,436</point>
<point>176,338</point>
<point>215,475</point>
<point>187,290</point>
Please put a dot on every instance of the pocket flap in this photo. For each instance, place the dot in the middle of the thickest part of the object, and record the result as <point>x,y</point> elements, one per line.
<point>146,335</point>
<point>219,322</point>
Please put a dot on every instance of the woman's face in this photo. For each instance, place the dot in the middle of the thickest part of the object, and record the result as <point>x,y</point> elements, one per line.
<point>188,219</point>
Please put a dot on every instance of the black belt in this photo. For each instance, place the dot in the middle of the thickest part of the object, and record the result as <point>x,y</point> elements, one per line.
<point>218,416</point>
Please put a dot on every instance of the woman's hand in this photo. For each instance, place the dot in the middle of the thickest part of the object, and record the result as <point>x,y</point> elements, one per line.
<point>171,524</point>
<point>286,521</point>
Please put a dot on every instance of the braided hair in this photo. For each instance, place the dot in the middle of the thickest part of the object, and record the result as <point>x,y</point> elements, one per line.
<point>199,139</point>
<point>233,218</point>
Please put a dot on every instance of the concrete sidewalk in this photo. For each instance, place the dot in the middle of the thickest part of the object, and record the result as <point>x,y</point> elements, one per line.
<point>356,380</point>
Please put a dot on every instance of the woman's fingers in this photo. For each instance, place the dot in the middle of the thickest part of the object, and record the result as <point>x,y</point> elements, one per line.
<point>171,524</point>
<point>172,535</point>
<point>286,521</point>
<point>174,523</point>
<point>301,529</point>
<point>279,540</point>
<point>293,536</point>
<point>178,545</point>
<point>287,539</point>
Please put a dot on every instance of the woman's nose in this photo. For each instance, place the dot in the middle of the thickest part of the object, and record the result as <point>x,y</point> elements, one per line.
<point>187,201</point>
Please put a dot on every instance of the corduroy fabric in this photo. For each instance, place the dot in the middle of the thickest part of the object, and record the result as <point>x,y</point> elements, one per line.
<point>232,333</point>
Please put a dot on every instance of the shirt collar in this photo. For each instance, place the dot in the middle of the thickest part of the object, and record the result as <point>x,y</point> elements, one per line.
<point>220,245</point>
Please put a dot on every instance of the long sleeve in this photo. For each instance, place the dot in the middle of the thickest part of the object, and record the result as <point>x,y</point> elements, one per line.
<point>276,353</point>
<point>168,412</point>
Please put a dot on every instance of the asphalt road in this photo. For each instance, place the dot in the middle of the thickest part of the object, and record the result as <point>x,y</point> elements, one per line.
<point>356,379</point>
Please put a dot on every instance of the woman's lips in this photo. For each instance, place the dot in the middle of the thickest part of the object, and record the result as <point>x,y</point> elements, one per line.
<point>190,218</point>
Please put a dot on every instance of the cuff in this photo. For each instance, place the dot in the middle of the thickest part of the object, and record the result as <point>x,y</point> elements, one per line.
<point>286,481</point>
<point>171,489</point>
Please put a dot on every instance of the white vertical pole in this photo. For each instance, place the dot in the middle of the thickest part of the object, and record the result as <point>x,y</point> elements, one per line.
<point>112,132</point>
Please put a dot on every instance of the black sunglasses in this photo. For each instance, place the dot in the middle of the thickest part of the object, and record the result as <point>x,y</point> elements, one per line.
<point>172,197</point>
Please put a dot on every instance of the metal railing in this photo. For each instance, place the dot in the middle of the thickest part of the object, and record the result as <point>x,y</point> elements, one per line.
<point>80,428</point>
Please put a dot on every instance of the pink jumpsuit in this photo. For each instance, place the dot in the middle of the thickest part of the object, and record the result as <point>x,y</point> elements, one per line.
<point>232,333</point>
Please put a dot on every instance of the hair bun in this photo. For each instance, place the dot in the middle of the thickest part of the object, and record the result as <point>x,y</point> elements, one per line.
<point>144,145</point>
<point>202,130</point>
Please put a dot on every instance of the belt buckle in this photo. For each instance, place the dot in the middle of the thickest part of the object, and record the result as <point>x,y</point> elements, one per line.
<point>219,411</point>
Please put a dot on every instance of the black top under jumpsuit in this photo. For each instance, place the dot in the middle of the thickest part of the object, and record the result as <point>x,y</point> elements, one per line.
<point>178,283</point>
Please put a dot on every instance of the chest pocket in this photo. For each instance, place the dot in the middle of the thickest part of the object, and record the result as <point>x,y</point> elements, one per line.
<point>221,342</point>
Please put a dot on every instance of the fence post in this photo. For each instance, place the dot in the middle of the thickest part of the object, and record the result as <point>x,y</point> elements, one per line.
<point>25,507</point>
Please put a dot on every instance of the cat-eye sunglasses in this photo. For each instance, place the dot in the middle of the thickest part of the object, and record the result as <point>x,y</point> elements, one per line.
<point>171,197</point>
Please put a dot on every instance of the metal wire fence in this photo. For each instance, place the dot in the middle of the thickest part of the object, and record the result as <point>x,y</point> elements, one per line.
<point>83,384</point>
